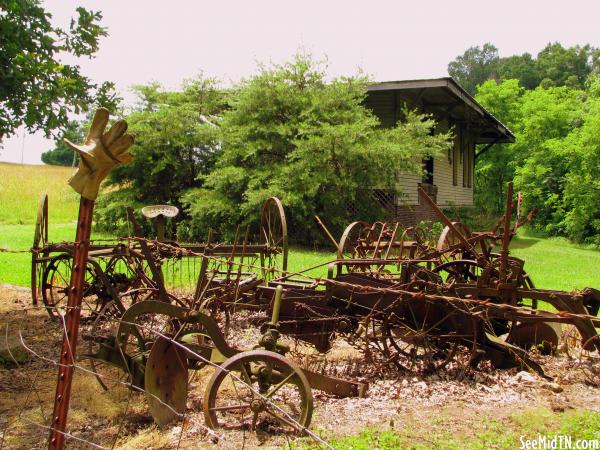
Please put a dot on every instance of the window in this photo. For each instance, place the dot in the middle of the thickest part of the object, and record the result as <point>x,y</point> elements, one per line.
<point>427,170</point>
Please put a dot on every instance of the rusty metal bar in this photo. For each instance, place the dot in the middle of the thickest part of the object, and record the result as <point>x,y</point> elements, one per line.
<point>506,234</point>
<point>69,344</point>
<point>327,233</point>
<point>450,225</point>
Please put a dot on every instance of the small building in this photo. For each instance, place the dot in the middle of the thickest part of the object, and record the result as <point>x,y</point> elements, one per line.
<point>449,177</point>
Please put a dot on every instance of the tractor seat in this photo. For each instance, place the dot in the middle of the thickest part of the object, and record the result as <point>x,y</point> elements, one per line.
<point>150,212</point>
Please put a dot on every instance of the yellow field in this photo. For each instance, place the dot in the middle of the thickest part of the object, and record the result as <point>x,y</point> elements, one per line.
<point>21,187</point>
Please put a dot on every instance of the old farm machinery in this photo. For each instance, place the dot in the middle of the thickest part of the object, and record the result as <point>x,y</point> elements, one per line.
<point>122,271</point>
<point>414,312</point>
<point>405,302</point>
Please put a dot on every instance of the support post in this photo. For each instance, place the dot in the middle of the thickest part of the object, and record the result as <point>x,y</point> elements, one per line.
<point>506,234</point>
<point>71,326</point>
<point>101,151</point>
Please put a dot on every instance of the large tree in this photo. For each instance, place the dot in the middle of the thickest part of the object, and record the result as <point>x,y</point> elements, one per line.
<point>520,67</point>
<point>496,166</point>
<point>554,65</point>
<point>176,139</point>
<point>560,66</point>
<point>312,143</point>
<point>37,89</point>
<point>474,66</point>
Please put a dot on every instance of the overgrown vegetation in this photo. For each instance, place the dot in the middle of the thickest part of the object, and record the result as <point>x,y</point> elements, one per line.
<point>284,132</point>
<point>177,139</point>
<point>312,143</point>
<point>552,104</point>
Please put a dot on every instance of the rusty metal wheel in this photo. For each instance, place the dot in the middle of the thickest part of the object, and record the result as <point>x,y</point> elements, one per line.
<point>352,245</point>
<point>126,273</point>
<point>104,328</point>
<point>55,288</point>
<point>259,389</point>
<point>274,236</point>
<point>39,252</point>
<point>146,321</point>
<point>459,271</point>
<point>431,337</point>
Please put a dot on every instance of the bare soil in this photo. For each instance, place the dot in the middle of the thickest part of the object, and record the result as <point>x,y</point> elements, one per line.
<point>119,418</point>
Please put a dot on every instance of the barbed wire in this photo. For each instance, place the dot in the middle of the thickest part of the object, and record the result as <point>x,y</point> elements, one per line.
<point>132,387</point>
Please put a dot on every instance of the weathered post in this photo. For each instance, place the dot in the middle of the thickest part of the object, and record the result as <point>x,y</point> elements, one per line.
<point>100,152</point>
<point>506,234</point>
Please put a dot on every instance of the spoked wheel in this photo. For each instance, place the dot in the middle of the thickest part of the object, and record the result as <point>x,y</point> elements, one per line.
<point>55,288</point>
<point>259,389</point>
<point>104,328</point>
<point>459,271</point>
<point>274,236</point>
<point>39,252</point>
<point>146,321</point>
<point>126,273</point>
<point>430,337</point>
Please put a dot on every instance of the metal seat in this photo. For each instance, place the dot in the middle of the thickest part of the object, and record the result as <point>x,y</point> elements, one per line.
<point>150,212</point>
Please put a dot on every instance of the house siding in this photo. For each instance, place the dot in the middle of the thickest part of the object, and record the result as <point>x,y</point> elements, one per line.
<point>452,170</point>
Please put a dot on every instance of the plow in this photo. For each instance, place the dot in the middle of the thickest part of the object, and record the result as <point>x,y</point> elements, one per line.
<point>407,302</point>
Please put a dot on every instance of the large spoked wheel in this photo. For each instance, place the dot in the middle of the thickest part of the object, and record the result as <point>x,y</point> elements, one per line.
<point>146,321</point>
<point>39,253</point>
<point>55,288</point>
<point>259,389</point>
<point>274,236</point>
<point>126,274</point>
<point>105,325</point>
<point>430,338</point>
<point>460,271</point>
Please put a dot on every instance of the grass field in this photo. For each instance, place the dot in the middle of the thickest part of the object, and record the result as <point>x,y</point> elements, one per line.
<point>553,263</point>
<point>483,434</point>
<point>21,187</point>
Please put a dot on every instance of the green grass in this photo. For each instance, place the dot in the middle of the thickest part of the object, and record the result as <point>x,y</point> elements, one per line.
<point>21,187</point>
<point>553,263</point>
<point>478,433</point>
<point>556,263</point>
<point>15,268</point>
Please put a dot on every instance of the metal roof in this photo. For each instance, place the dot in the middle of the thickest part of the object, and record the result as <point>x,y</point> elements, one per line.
<point>445,96</point>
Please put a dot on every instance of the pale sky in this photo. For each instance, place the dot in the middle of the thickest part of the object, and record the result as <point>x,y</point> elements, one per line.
<point>167,41</point>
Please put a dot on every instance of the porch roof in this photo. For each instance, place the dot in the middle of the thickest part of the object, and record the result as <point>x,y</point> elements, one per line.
<point>445,98</point>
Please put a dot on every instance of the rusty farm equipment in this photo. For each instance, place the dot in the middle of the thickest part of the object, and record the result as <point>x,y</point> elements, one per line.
<point>405,302</point>
<point>403,314</point>
<point>120,272</point>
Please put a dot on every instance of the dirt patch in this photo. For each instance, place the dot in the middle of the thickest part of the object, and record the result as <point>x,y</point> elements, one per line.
<point>410,406</point>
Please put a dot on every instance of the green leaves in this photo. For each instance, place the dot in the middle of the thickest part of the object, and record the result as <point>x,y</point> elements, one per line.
<point>554,160</point>
<point>177,138</point>
<point>36,89</point>
<point>291,134</point>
